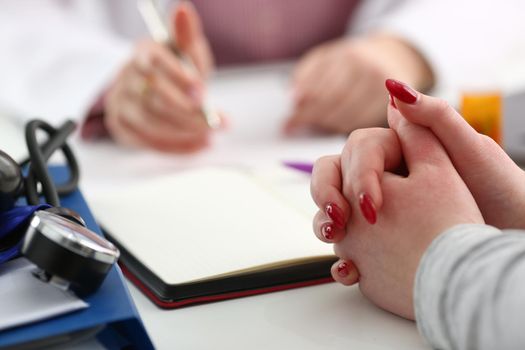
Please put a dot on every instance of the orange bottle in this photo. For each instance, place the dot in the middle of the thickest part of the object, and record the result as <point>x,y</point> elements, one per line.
<point>483,110</point>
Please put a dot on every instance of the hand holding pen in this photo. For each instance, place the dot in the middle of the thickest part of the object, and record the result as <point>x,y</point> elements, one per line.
<point>155,100</point>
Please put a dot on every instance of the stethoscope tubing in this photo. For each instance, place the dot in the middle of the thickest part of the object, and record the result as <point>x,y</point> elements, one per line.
<point>37,163</point>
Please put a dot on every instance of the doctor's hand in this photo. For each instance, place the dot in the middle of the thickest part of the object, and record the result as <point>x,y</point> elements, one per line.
<point>154,101</point>
<point>386,244</point>
<point>339,86</point>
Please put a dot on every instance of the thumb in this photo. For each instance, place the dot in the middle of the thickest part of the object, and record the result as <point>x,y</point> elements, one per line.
<point>488,171</point>
<point>461,141</point>
<point>189,37</point>
<point>419,145</point>
<point>470,151</point>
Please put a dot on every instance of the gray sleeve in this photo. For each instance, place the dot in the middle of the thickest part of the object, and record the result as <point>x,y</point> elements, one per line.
<point>470,289</point>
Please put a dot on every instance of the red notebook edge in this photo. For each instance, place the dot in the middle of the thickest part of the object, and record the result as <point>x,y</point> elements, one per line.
<point>216,297</point>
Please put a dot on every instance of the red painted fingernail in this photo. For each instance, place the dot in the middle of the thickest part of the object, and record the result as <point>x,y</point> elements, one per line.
<point>367,208</point>
<point>342,269</point>
<point>336,214</point>
<point>401,91</point>
<point>392,102</point>
<point>328,231</point>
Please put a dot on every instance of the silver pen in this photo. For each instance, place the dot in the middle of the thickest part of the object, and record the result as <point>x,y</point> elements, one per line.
<point>157,28</point>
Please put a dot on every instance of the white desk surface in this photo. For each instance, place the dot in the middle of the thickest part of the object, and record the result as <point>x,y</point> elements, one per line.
<point>327,316</point>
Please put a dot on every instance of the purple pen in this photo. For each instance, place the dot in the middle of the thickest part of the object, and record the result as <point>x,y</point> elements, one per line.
<point>304,167</point>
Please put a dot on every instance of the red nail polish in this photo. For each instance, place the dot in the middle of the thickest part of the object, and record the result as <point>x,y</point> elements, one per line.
<point>328,231</point>
<point>367,208</point>
<point>392,102</point>
<point>336,214</point>
<point>342,269</point>
<point>401,91</point>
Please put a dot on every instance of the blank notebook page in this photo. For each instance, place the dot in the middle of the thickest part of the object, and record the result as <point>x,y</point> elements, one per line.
<point>206,222</point>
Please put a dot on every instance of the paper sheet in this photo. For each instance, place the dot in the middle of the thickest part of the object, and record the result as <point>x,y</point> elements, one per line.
<point>25,299</point>
<point>257,101</point>
<point>208,222</point>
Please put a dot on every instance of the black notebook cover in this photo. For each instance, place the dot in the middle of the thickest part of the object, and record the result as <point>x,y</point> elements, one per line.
<point>221,288</point>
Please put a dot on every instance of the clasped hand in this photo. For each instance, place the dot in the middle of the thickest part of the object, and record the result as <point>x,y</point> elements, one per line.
<point>393,190</point>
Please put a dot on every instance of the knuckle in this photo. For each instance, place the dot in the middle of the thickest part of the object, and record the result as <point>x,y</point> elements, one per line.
<point>353,51</point>
<point>142,45</point>
<point>321,161</point>
<point>357,136</point>
<point>368,135</point>
<point>145,47</point>
<point>487,147</point>
<point>443,107</point>
<point>487,142</point>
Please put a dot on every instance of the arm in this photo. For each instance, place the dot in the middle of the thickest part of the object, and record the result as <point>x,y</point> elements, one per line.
<point>469,289</point>
<point>338,85</point>
<point>55,61</point>
<point>453,36</point>
<point>62,56</point>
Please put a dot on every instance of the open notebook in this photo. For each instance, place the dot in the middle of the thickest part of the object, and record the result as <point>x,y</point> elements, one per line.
<point>213,233</point>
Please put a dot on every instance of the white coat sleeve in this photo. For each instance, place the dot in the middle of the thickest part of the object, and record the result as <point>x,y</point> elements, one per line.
<point>469,44</point>
<point>54,61</point>
<point>469,289</point>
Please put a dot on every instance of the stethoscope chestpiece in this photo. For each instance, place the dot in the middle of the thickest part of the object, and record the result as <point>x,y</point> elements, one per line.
<point>68,254</point>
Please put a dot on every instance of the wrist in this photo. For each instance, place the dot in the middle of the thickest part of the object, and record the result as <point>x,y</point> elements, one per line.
<point>407,62</point>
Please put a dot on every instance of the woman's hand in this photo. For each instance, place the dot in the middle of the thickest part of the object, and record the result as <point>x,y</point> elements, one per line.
<point>496,182</point>
<point>378,149</point>
<point>155,101</point>
<point>382,244</point>
<point>338,86</point>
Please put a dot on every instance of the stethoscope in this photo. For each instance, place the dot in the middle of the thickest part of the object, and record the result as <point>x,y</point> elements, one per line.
<point>54,238</point>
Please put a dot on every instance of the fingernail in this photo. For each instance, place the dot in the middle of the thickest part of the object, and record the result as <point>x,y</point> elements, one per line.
<point>392,102</point>
<point>401,91</point>
<point>342,269</point>
<point>367,208</point>
<point>336,214</point>
<point>328,231</point>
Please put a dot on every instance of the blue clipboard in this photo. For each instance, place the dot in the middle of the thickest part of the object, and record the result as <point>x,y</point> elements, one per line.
<point>111,315</point>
